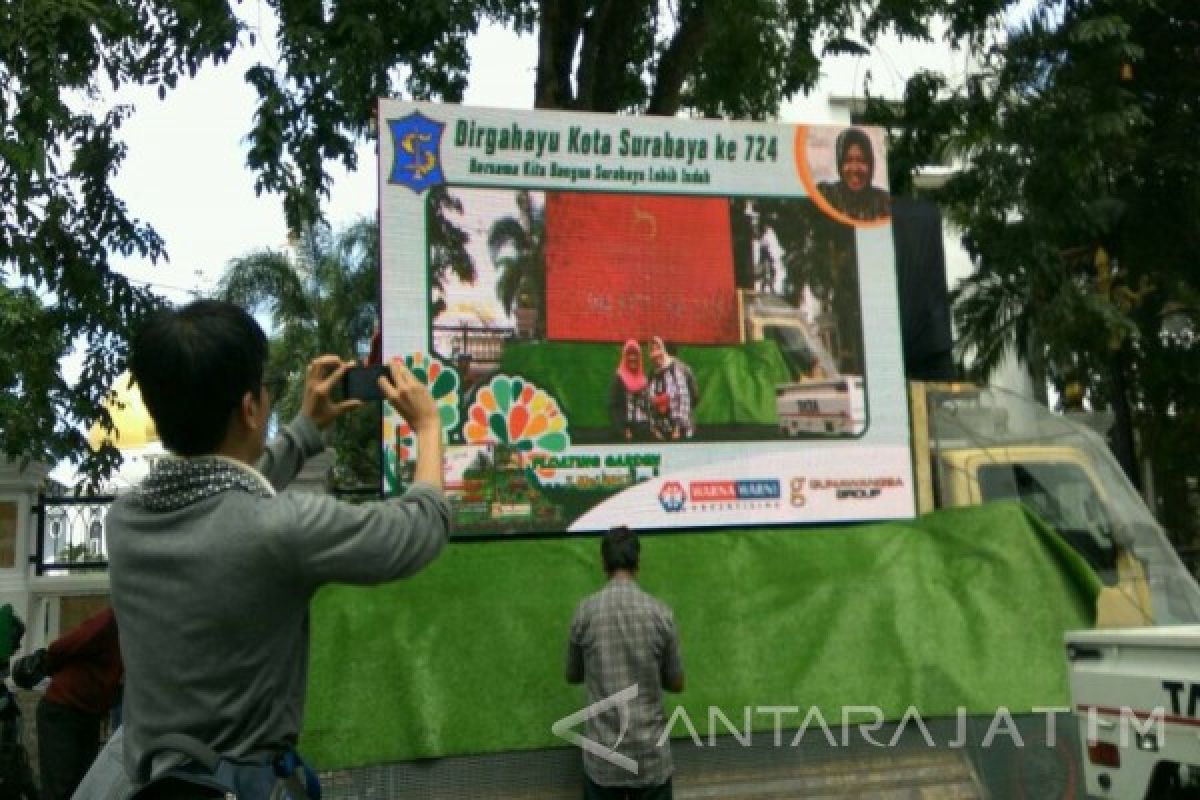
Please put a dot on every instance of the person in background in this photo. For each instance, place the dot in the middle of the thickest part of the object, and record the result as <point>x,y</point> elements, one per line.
<point>467,377</point>
<point>627,395</point>
<point>622,637</point>
<point>85,670</point>
<point>16,777</point>
<point>852,194</point>
<point>673,395</point>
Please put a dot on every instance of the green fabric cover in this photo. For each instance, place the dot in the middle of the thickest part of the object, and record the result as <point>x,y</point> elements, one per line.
<point>964,607</point>
<point>736,382</point>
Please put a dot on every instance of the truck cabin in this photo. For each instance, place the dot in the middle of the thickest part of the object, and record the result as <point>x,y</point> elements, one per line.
<point>800,361</point>
<point>1063,496</point>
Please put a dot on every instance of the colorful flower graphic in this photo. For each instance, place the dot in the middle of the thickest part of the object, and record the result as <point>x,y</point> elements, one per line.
<point>399,439</point>
<point>399,436</point>
<point>443,382</point>
<point>512,411</point>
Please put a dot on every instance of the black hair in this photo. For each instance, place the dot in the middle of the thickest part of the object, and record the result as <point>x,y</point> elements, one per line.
<point>620,549</point>
<point>193,366</point>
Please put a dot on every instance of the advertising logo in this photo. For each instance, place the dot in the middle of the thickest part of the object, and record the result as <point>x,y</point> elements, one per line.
<point>798,498</point>
<point>842,488</point>
<point>857,488</point>
<point>417,147</point>
<point>731,495</point>
<point>757,490</point>
<point>707,491</point>
<point>672,497</point>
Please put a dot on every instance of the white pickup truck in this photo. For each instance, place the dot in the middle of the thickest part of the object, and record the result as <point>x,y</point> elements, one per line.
<point>1136,695</point>
<point>822,408</point>
<point>821,401</point>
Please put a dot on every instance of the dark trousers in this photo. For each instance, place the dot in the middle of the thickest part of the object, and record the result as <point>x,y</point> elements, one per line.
<point>68,741</point>
<point>594,791</point>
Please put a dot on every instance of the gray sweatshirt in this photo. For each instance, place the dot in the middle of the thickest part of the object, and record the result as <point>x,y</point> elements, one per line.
<point>212,574</point>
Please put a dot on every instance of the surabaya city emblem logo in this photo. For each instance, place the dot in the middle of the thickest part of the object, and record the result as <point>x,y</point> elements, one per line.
<point>416,152</point>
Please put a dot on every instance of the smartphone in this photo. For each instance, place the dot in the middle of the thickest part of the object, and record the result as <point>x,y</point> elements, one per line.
<point>362,383</point>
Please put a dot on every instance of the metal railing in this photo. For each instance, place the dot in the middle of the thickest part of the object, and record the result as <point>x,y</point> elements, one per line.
<point>72,531</point>
<point>483,344</point>
<point>71,534</point>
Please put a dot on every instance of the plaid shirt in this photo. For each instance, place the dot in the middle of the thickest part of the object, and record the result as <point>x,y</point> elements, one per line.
<point>621,636</point>
<point>678,384</point>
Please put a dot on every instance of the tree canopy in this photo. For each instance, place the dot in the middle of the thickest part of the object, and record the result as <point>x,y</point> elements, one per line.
<point>60,146</point>
<point>60,222</point>
<point>1078,200</point>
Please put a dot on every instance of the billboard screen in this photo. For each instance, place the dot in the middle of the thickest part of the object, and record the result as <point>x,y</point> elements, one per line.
<point>644,321</point>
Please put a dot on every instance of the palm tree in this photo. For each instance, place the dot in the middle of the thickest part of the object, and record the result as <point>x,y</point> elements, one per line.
<point>322,300</point>
<point>447,246</point>
<point>517,246</point>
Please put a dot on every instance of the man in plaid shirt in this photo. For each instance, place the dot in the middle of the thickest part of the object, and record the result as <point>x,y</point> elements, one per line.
<point>621,638</point>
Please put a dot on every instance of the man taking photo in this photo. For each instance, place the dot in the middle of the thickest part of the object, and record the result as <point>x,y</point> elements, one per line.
<point>213,566</point>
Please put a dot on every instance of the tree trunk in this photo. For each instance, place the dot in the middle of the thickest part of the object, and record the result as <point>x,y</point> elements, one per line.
<point>679,59</point>
<point>615,44</point>
<point>597,38</point>
<point>559,27</point>
<point>607,28</point>
<point>1123,445</point>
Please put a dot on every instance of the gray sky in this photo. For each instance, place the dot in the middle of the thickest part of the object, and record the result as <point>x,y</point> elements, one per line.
<point>185,170</point>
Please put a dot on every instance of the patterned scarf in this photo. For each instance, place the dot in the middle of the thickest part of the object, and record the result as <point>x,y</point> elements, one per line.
<point>174,482</point>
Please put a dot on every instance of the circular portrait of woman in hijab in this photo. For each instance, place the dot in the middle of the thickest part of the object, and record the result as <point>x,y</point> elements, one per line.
<point>845,173</point>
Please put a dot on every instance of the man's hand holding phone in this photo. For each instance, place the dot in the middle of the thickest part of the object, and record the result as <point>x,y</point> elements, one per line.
<point>362,383</point>
<point>394,383</point>
<point>409,397</point>
<point>413,401</point>
<point>323,374</point>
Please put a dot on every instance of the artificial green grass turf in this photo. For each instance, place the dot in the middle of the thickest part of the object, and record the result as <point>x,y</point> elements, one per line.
<point>964,607</point>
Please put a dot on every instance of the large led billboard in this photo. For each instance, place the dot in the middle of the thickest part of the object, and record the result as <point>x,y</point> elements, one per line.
<point>644,321</point>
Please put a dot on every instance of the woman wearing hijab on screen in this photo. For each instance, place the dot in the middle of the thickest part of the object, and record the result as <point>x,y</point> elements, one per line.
<point>852,194</point>
<point>627,397</point>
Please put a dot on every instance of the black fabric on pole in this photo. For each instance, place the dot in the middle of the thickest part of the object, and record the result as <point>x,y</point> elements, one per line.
<point>921,284</point>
